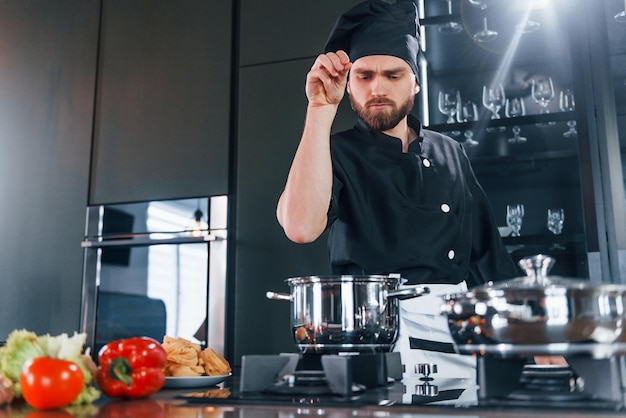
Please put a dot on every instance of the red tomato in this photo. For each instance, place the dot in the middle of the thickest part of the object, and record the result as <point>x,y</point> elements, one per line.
<point>50,383</point>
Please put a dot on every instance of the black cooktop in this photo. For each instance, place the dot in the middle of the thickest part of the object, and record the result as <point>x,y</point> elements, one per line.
<point>353,381</point>
<point>395,393</point>
<point>438,392</point>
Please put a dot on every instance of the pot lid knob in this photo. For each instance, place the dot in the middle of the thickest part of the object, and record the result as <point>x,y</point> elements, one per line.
<point>537,267</point>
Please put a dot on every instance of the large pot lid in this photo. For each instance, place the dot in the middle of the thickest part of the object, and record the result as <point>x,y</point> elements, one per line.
<point>537,268</point>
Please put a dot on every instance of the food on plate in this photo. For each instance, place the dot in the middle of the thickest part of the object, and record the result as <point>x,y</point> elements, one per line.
<point>6,390</point>
<point>131,367</point>
<point>23,345</point>
<point>181,351</point>
<point>214,364</point>
<point>180,370</point>
<point>188,359</point>
<point>49,383</point>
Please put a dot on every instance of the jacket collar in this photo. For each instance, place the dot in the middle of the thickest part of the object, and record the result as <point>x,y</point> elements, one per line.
<point>388,141</point>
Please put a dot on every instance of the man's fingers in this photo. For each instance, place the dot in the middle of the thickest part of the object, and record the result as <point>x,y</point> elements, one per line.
<point>326,81</point>
<point>325,64</point>
<point>343,56</point>
<point>333,63</point>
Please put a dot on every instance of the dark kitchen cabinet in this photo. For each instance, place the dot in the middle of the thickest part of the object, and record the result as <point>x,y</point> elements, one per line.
<point>47,82</point>
<point>551,167</point>
<point>162,120</point>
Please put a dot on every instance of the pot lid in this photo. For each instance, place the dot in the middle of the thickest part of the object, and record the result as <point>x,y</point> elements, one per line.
<point>532,283</point>
<point>537,268</point>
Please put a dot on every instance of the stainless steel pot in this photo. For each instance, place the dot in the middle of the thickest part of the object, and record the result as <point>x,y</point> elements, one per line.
<point>331,314</point>
<point>538,314</point>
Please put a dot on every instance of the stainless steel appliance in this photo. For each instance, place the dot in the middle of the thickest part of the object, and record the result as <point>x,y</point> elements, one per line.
<point>538,310</point>
<point>506,323</point>
<point>346,313</point>
<point>155,269</point>
<point>506,375</point>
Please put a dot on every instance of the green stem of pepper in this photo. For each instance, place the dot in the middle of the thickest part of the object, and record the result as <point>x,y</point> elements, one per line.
<point>120,370</point>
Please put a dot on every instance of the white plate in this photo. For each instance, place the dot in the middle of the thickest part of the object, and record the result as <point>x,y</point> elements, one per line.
<point>194,382</point>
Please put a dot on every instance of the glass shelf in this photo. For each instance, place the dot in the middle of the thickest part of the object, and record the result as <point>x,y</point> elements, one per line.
<point>564,239</point>
<point>520,121</point>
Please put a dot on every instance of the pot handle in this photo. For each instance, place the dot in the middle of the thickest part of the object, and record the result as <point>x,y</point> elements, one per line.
<point>408,293</point>
<point>278,296</point>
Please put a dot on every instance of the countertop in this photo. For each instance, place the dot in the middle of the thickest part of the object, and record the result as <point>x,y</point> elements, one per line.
<point>167,404</point>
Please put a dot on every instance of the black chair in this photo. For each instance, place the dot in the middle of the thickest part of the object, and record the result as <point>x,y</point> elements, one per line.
<point>120,315</point>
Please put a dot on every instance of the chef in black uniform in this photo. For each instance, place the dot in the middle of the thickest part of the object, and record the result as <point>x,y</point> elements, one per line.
<point>395,197</point>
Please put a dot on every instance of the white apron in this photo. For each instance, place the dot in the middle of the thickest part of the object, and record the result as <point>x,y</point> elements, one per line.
<point>421,325</point>
<point>421,322</point>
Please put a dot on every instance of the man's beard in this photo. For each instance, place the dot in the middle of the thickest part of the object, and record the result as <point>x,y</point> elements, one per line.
<point>383,120</point>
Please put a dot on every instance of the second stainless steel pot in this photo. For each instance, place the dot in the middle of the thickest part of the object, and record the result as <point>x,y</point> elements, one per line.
<point>331,314</point>
<point>540,313</point>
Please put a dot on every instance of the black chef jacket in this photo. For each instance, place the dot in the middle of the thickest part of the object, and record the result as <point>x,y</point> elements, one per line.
<point>421,214</point>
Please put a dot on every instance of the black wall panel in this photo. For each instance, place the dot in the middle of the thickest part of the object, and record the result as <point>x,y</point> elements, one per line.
<point>279,41</point>
<point>47,80</point>
<point>270,124</point>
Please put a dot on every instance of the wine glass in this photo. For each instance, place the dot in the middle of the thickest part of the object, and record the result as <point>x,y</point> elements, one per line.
<point>493,99</point>
<point>542,92</point>
<point>555,220</point>
<point>514,216</point>
<point>468,111</point>
<point>566,102</point>
<point>451,27</point>
<point>448,104</point>
<point>514,108</point>
<point>621,16</point>
<point>485,34</point>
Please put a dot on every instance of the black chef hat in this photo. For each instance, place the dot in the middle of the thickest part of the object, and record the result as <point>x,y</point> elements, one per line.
<point>376,27</point>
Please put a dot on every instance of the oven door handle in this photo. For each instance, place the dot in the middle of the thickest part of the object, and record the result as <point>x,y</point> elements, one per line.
<point>143,240</point>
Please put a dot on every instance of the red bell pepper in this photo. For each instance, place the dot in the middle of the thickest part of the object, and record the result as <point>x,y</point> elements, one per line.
<point>131,368</point>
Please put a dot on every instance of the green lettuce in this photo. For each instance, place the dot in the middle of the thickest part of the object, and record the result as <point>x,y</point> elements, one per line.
<point>23,345</point>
